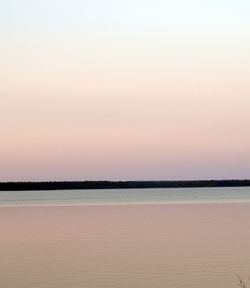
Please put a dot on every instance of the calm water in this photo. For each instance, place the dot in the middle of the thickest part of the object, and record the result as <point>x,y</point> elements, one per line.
<point>192,238</point>
<point>125,196</point>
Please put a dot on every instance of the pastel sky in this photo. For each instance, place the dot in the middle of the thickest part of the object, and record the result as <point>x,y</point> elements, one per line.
<point>135,89</point>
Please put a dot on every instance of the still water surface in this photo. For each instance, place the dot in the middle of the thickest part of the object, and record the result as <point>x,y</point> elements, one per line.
<point>119,196</point>
<point>192,238</point>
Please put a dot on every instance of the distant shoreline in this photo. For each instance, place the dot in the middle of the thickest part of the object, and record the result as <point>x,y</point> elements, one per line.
<point>73,185</point>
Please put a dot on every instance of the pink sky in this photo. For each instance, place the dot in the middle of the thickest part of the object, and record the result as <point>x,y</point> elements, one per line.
<point>147,99</point>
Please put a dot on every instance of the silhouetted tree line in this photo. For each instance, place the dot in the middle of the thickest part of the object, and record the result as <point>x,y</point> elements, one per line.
<point>16,186</point>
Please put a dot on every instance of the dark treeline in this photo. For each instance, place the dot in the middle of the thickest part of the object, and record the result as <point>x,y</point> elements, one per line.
<point>16,186</point>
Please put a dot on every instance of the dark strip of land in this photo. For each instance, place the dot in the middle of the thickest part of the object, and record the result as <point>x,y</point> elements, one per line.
<point>69,185</point>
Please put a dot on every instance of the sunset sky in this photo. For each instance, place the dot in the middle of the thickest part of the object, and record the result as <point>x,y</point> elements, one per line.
<point>124,90</point>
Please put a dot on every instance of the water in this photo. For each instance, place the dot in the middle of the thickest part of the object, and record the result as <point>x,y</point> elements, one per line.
<point>164,195</point>
<point>178,238</point>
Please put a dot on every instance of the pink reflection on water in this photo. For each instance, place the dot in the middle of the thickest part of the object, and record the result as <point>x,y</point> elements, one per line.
<point>165,245</point>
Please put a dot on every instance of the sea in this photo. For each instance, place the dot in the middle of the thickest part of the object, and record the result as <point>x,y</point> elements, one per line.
<point>125,196</point>
<point>125,238</point>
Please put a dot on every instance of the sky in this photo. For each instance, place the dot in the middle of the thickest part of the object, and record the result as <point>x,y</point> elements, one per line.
<point>124,90</point>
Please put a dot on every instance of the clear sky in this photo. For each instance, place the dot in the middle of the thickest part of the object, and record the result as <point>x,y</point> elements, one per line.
<point>135,89</point>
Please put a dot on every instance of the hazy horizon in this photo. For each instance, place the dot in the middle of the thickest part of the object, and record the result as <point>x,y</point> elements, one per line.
<point>136,180</point>
<point>124,90</point>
